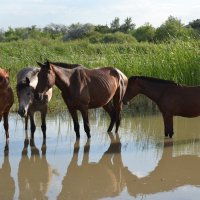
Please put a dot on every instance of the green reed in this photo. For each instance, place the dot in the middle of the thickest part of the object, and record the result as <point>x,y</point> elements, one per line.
<point>178,60</point>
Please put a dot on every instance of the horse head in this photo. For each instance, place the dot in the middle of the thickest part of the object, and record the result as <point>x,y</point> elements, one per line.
<point>46,80</point>
<point>132,90</point>
<point>25,93</point>
<point>4,78</point>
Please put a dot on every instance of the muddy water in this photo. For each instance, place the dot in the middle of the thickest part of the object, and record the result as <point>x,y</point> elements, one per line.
<point>138,163</point>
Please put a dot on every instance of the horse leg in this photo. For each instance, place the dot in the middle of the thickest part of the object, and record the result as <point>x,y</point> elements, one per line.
<point>32,125</point>
<point>84,113</point>
<point>118,107</point>
<point>43,126</point>
<point>5,124</point>
<point>110,110</point>
<point>74,115</point>
<point>34,149</point>
<point>168,123</point>
<point>26,123</point>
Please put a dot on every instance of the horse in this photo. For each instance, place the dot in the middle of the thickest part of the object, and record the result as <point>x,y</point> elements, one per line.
<point>84,89</point>
<point>6,99</point>
<point>26,83</point>
<point>172,99</point>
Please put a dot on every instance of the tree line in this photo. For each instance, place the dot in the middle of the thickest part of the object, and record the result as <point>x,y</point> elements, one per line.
<point>116,32</point>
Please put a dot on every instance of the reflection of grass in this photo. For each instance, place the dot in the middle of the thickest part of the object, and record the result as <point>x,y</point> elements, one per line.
<point>178,61</point>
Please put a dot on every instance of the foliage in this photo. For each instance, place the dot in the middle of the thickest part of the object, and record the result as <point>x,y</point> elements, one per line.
<point>195,24</point>
<point>115,25</point>
<point>172,28</point>
<point>116,37</point>
<point>178,60</point>
<point>102,29</point>
<point>78,31</point>
<point>128,26</point>
<point>145,33</point>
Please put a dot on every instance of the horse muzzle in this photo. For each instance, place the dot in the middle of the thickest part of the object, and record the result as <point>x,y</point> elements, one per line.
<point>22,112</point>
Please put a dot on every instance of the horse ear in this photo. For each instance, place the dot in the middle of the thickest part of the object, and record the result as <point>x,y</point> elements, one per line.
<point>27,81</point>
<point>40,64</point>
<point>48,64</point>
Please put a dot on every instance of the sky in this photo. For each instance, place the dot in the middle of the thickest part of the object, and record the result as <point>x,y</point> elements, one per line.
<point>24,13</point>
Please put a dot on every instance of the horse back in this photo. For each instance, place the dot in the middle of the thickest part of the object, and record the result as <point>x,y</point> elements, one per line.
<point>181,100</point>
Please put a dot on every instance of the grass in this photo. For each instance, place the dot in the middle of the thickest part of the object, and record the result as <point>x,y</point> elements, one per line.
<point>178,60</point>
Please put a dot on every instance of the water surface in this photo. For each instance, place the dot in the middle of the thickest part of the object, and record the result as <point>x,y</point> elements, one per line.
<point>137,163</point>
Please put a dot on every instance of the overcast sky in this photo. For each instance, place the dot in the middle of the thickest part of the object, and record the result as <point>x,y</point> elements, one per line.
<point>22,13</point>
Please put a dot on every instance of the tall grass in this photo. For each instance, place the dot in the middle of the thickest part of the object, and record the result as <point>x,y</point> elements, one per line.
<point>178,60</point>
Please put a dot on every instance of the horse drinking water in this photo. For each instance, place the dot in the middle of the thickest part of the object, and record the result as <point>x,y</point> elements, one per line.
<point>172,99</point>
<point>6,99</point>
<point>26,83</point>
<point>83,89</point>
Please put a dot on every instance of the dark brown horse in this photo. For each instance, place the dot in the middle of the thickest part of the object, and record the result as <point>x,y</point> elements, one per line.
<point>83,89</point>
<point>172,99</point>
<point>6,99</point>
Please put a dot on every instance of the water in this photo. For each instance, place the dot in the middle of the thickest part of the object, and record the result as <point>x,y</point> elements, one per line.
<point>138,163</point>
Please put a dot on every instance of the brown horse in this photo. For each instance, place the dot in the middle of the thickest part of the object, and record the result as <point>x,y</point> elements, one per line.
<point>6,99</point>
<point>172,99</point>
<point>83,89</point>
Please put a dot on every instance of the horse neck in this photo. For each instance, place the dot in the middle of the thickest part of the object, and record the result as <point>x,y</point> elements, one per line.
<point>153,90</point>
<point>62,77</point>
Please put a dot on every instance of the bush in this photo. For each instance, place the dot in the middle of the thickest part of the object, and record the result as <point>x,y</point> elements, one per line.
<point>117,37</point>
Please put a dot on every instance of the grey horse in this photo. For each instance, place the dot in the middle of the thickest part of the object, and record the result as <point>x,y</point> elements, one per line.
<point>26,83</point>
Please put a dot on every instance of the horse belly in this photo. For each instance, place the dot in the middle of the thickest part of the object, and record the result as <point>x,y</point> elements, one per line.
<point>101,94</point>
<point>191,109</point>
<point>99,102</point>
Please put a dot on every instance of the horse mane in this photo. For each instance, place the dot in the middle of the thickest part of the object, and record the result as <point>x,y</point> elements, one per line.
<point>153,79</point>
<point>65,65</point>
<point>3,73</point>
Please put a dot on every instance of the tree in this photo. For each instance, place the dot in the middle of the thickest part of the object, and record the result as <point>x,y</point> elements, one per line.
<point>2,35</point>
<point>55,30</point>
<point>145,33</point>
<point>114,25</point>
<point>78,31</point>
<point>171,28</point>
<point>102,29</point>
<point>195,24</point>
<point>128,26</point>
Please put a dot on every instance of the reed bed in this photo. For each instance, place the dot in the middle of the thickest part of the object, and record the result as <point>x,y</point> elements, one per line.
<point>177,60</point>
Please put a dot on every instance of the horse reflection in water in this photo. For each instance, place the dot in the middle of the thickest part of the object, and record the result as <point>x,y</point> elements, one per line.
<point>109,177</point>
<point>94,180</point>
<point>7,184</point>
<point>171,172</point>
<point>34,173</point>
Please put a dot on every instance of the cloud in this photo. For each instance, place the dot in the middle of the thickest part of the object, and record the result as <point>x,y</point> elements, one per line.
<point>42,12</point>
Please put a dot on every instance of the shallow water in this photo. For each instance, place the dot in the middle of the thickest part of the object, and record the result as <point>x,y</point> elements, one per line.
<point>138,163</point>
